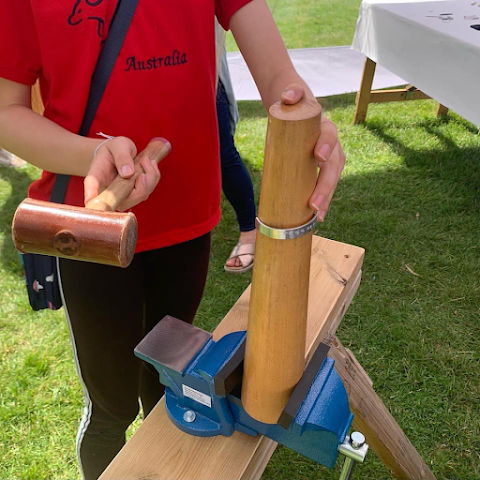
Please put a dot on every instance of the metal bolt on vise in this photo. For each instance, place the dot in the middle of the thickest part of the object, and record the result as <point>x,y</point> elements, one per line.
<point>355,450</point>
<point>189,416</point>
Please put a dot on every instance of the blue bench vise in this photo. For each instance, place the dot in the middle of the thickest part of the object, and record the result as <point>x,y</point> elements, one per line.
<point>202,381</point>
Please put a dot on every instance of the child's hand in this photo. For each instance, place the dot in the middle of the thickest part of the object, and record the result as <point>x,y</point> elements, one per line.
<point>113,158</point>
<point>328,152</point>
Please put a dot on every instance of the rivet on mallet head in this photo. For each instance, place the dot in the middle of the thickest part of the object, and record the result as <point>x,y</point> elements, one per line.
<point>189,416</point>
<point>66,243</point>
<point>357,440</point>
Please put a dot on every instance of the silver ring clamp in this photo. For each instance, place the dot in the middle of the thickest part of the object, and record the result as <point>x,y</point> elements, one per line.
<point>286,233</point>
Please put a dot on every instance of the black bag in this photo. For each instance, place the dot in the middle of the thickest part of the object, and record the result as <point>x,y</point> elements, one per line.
<point>41,276</point>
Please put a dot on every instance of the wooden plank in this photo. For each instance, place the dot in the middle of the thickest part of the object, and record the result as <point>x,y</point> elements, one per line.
<point>260,459</point>
<point>372,418</point>
<point>160,451</point>
<point>363,95</point>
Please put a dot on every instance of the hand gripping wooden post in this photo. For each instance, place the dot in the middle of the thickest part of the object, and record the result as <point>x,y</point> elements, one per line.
<point>96,233</point>
<point>277,324</point>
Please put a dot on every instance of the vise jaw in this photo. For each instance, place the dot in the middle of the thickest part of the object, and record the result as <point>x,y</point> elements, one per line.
<point>203,384</point>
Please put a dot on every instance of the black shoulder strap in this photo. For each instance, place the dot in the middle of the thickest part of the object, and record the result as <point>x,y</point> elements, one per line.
<point>105,63</point>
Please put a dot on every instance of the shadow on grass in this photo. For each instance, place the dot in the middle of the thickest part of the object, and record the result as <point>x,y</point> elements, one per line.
<point>19,179</point>
<point>451,162</point>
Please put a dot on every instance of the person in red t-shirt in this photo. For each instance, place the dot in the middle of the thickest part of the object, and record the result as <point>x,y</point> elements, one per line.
<point>163,84</point>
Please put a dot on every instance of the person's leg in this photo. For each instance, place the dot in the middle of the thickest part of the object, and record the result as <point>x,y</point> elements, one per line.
<point>236,182</point>
<point>104,309</point>
<point>174,283</point>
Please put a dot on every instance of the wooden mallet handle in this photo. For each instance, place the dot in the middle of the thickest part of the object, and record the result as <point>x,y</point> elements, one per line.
<point>120,188</point>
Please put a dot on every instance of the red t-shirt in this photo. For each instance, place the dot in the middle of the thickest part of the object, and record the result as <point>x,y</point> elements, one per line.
<point>163,84</point>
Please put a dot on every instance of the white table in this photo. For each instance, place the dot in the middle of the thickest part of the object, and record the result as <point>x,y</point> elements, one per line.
<point>430,44</point>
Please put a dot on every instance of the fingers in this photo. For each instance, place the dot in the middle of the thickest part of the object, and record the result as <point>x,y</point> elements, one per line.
<point>101,173</point>
<point>91,187</point>
<point>113,157</point>
<point>123,151</point>
<point>292,94</point>
<point>144,184</point>
<point>327,142</point>
<point>327,181</point>
<point>331,158</point>
<point>328,152</point>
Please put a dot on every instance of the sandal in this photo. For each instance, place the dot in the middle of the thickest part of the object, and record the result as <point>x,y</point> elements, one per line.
<point>245,252</point>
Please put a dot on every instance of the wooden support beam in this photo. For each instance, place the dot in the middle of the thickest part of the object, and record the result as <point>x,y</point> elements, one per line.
<point>397,95</point>
<point>363,95</point>
<point>160,451</point>
<point>442,110</point>
<point>372,418</point>
<point>366,95</point>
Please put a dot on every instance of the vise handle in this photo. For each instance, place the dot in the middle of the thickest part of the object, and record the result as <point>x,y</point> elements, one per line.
<point>108,201</point>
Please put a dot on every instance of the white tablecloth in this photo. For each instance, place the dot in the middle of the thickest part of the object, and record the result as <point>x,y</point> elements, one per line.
<point>430,44</point>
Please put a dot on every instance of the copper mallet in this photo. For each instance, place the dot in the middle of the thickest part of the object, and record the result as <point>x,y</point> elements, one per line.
<point>95,233</point>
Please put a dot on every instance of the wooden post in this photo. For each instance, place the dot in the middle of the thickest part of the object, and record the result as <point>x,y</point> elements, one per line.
<point>363,95</point>
<point>275,348</point>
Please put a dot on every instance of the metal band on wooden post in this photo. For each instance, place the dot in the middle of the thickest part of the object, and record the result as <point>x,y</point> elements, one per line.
<point>286,233</point>
<point>275,349</point>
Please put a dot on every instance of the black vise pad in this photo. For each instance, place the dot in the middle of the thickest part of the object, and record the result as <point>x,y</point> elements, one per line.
<point>229,378</point>
<point>173,343</point>
<point>303,386</point>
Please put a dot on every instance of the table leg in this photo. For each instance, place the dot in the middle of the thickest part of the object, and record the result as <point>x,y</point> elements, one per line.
<point>442,110</point>
<point>363,95</point>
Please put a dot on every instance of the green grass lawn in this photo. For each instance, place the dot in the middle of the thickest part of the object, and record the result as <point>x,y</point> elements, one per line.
<point>312,23</point>
<point>409,195</point>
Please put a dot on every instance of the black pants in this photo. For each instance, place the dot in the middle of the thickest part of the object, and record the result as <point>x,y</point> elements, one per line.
<point>109,310</point>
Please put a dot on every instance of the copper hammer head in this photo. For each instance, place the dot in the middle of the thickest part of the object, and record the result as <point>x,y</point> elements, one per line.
<point>95,233</point>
